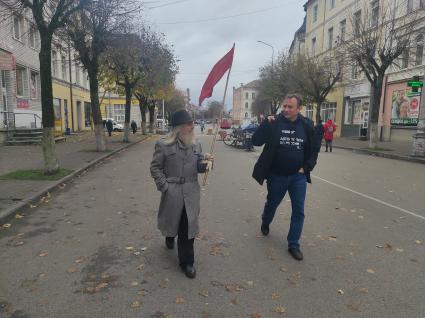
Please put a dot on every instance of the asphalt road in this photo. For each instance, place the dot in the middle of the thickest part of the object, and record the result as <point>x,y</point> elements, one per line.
<point>92,249</point>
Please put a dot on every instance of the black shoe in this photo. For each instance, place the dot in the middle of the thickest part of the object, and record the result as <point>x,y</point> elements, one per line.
<point>169,242</point>
<point>265,229</point>
<point>189,271</point>
<point>296,253</point>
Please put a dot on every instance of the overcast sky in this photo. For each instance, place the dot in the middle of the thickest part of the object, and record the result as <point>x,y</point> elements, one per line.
<point>199,45</point>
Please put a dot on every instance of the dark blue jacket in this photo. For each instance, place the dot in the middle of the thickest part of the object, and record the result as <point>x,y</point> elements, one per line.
<point>268,134</point>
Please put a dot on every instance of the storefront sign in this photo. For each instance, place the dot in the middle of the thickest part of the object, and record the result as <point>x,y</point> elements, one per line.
<point>22,103</point>
<point>405,107</point>
<point>7,62</point>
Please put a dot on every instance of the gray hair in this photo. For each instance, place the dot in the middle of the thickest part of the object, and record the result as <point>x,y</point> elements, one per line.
<point>172,136</point>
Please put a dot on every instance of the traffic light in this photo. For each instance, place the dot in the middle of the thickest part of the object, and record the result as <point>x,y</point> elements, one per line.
<point>415,84</point>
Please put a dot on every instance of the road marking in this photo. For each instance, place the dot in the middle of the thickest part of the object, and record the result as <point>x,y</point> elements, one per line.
<point>370,198</point>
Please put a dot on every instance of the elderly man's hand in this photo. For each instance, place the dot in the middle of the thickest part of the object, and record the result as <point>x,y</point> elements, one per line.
<point>208,157</point>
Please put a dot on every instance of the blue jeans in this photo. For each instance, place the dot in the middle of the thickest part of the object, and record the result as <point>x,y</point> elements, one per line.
<point>296,185</point>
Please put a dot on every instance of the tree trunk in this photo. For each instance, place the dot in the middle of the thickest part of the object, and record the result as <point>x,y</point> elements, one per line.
<point>152,118</point>
<point>99,130</point>
<point>143,113</point>
<point>127,111</point>
<point>375,101</point>
<point>51,163</point>
<point>319,103</point>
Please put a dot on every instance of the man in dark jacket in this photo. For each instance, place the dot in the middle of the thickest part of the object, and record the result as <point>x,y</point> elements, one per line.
<point>290,153</point>
<point>109,127</point>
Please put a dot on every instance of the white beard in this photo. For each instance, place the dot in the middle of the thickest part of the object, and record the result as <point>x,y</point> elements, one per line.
<point>188,139</point>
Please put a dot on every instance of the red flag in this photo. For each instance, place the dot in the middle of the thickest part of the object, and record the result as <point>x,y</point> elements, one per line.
<point>216,74</point>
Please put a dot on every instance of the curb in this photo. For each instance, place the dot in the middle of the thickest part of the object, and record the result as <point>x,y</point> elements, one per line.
<point>382,154</point>
<point>5,214</point>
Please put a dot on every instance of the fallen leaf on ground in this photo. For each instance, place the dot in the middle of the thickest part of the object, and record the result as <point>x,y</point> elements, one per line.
<point>370,271</point>
<point>233,288</point>
<point>136,253</point>
<point>129,248</point>
<point>250,283</point>
<point>71,270</point>
<point>275,296</point>
<point>19,216</point>
<point>43,254</point>
<point>204,292</point>
<point>180,300</point>
<point>353,306</point>
<point>363,290</point>
<point>379,246</point>
<point>280,310</point>
<point>100,286</point>
<point>80,259</point>
<point>339,258</point>
<point>340,291</point>
<point>388,246</point>
<point>19,243</point>
<point>255,315</point>
<point>332,238</point>
<point>418,242</point>
<point>399,250</point>
<point>135,304</point>
<point>134,284</point>
<point>164,283</point>
<point>6,226</point>
<point>283,269</point>
<point>140,267</point>
<point>144,249</point>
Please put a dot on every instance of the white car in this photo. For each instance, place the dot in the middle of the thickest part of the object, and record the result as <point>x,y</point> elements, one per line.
<point>116,126</point>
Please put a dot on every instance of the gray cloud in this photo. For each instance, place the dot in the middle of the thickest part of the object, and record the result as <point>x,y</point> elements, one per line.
<point>200,45</point>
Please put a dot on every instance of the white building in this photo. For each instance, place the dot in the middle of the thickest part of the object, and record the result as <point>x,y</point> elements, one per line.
<point>243,98</point>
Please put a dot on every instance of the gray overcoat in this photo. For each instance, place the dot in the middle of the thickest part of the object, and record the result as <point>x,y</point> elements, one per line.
<point>175,170</point>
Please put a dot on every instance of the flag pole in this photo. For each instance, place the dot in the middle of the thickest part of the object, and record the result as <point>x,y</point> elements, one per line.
<point>216,129</point>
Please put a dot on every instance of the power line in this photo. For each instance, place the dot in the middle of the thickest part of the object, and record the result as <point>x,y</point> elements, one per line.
<point>223,17</point>
<point>166,4</point>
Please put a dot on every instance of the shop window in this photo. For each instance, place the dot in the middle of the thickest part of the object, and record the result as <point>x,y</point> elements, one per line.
<point>20,81</point>
<point>119,113</point>
<point>57,108</point>
<point>419,49</point>
<point>328,111</point>
<point>34,85</point>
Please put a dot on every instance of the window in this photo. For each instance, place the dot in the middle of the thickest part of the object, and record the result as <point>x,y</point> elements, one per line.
<point>332,4</point>
<point>409,6</point>
<point>87,114</point>
<point>330,38</point>
<point>34,38</point>
<point>246,115</point>
<point>309,112</point>
<point>246,95</point>
<point>57,108</point>
<point>313,46</point>
<point>419,49</point>
<point>64,68</point>
<point>405,58</point>
<point>85,78</point>
<point>77,71</point>
<point>20,81</point>
<point>246,105</point>
<point>328,111</point>
<point>118,113</point>
<point>375,13</point>
<point>54,64</point>
<point>18,27</point>
<point>315,9</point>
<point>253,95</point>
<point>354,71</point>
<point>34,85</point>
<point>348,120</point>
<point>343,28</point>
<point>357,22</point>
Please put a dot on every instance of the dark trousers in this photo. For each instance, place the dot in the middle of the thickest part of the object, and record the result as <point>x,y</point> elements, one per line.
<point>328,144</point>
<point>109,133</point>
<point>184,245</point>
<point>277,186</point>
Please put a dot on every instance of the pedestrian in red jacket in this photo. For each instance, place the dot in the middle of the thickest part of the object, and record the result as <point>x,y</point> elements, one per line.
<point>328,131</point>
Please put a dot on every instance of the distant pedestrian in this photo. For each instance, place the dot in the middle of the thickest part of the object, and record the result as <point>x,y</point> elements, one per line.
<point>109,126</point>
<point>319,131</point>
<point>329,129</point>
<point>133,126</point>
<point>175,165</point>
<point>289,155</point>
<point>202,126</point>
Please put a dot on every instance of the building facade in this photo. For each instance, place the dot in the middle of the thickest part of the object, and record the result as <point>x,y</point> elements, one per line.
<point>329,23</point>
<point>243,98</point>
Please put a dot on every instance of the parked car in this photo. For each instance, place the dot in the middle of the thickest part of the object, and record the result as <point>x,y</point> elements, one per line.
<point>116,126</point>
<point>225,123</point>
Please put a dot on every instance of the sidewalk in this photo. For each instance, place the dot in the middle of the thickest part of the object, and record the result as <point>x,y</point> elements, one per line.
<point>77,152</point>
<point>391,150</point>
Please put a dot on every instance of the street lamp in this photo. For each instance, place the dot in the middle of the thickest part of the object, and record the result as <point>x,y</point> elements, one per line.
<point>271,46</point>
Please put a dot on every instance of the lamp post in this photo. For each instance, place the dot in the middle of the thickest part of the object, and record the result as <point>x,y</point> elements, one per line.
<point>271,46</point>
